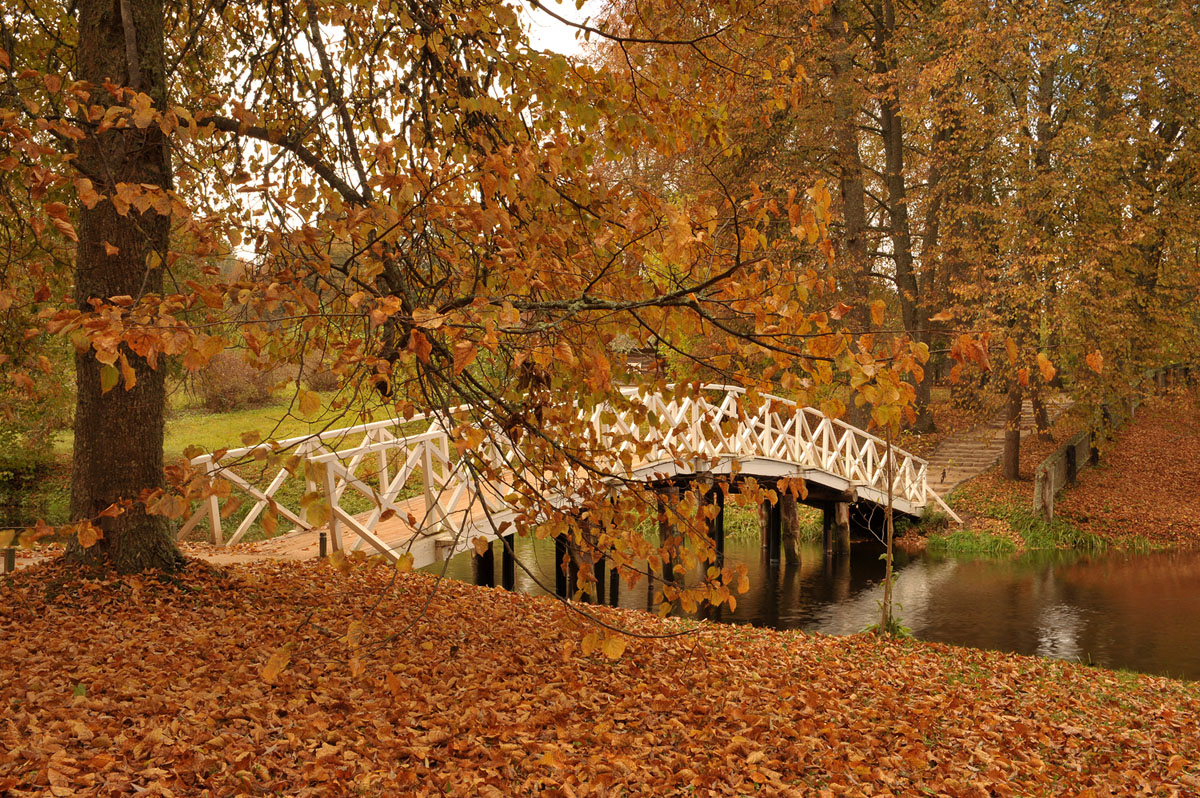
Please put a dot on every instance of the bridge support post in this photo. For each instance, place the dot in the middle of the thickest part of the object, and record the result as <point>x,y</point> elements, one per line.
<point>614,585</point>
<point>716,527</point>
<point>508,562</point>
<point>484,566</point>
<point>560,573</point>
<point>841,527</point>
<point>598,572</point>
<point>828,521</point>
<point>790,527</point>
<point>774,529</point>
<point>667,499</point>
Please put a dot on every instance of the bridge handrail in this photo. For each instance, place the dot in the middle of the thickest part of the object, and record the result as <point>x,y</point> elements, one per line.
<point>777,428</point>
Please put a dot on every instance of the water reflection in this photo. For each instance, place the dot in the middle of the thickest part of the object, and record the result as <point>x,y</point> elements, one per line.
<point>1119,611</point>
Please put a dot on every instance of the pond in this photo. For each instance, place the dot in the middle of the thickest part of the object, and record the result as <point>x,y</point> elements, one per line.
<point>1135,611</point>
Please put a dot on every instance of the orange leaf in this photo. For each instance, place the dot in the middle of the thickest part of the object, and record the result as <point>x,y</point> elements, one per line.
<point>945,315</point>
<point>89,535</point>
<point>839,310</point>
<point>1010,346</point>
<point>277,663</point>
<point>1095,361</point>
<point>419,345</point>
<point>878,311</point>
<point>1044,365</point>
<point>481,545</point>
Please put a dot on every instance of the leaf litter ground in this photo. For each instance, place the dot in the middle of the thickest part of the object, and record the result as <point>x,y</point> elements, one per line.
<point>401,685</point>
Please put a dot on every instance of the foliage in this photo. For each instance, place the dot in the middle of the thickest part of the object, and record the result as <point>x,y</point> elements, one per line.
<point>457,701</point>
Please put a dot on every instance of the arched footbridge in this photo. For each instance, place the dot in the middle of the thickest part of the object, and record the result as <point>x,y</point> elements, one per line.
<point>422,497</point>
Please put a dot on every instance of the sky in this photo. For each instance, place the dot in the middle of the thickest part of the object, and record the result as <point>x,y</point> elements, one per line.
<point>547,33</point>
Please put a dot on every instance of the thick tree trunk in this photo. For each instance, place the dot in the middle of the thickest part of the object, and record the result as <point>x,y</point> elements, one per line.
<point>1010,462</point>
<point>119,433</point>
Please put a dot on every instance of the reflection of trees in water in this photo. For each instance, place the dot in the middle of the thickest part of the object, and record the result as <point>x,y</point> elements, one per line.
<point>1133,611</point>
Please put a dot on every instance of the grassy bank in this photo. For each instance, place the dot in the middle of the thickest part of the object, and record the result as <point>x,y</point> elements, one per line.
<point>481,692</point>
<point>1141,497</point>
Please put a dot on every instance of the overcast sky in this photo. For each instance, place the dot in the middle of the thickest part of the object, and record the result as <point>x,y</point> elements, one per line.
<point>547,33</point>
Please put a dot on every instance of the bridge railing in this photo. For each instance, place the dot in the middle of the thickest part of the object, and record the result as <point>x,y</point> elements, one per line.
<point>243,471</point>
<point>388,470</point>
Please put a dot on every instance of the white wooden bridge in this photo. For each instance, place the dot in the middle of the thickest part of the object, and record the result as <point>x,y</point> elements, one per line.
<point>422,498</point>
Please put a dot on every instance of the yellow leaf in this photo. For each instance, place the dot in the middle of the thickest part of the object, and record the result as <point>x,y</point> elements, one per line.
<point>338,560</point>
<point>404,563</point>
<point>1044,365</point>
<point>127,373</point>
<point>310,402</point>
<point>1010,346</point>
<point>614,646</point>
<point>277,663</point>
<point>109,377</point>
<point>481,545</point>
<point>89,534</point>
<point>88,195</point>
<point>878,311</point>
<point>143,110</point>
<point>6,537</point>
<point>270,523</point>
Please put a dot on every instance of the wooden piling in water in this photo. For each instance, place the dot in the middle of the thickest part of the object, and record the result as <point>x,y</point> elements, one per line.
<point>484,566</point>
<point>508,562</point>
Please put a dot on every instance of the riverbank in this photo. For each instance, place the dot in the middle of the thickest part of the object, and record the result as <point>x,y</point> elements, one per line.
<point>135,685</point>
<point>1141,496</point>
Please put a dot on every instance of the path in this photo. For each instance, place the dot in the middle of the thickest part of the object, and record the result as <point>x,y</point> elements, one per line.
<point>966,455</point>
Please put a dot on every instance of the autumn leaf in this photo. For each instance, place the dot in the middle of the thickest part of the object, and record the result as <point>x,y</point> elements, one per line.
<point>277,662</point>
<point>1095,361</point>
<point>1010,347</point>
<point>88,535</point>
<point>481,545</point>
<point>309,403</point>
<point>109,377</point>
<point>945,315</point>
<point>614,645</point>
<point>1047,369</point>
<point>878,311</point>
<point>839,310</point>
<point>419,345</point>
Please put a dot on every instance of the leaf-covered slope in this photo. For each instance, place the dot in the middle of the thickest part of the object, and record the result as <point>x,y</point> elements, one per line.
<point>109,688</point>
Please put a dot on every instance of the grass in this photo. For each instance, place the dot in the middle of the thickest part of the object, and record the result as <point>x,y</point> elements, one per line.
<point>970,541</point>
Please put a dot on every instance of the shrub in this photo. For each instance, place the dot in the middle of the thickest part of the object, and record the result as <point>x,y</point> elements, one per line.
<point>316,374</point>
<point>229,382</point>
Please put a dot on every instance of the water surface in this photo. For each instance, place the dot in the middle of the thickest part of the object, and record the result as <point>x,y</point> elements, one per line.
<point>1135,611</point>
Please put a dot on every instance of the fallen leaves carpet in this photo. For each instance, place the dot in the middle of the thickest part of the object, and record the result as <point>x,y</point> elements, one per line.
<point>139,686</point>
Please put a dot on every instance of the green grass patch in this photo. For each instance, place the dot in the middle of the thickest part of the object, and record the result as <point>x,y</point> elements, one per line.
<point>970,541</point>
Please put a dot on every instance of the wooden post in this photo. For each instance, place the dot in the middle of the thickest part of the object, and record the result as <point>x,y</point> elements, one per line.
<point>598,572</point>
<point>485,568</point>
<point>666,530</point>
<point>828,522</point>
<point>614,585</point>
<point>716,528</point>
<point>560,574</point>
<point>1072,466</point>
<point>214,507</point>
<point>790,528</point>
<point>774,530</point>
<point>508,561</point>
<point>841,524</point>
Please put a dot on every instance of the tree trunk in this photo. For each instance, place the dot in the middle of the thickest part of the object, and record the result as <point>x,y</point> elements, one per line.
<point>1010,463</point>
<point>852,193</point>
<point>912,312</point>
<point>119,433</point>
